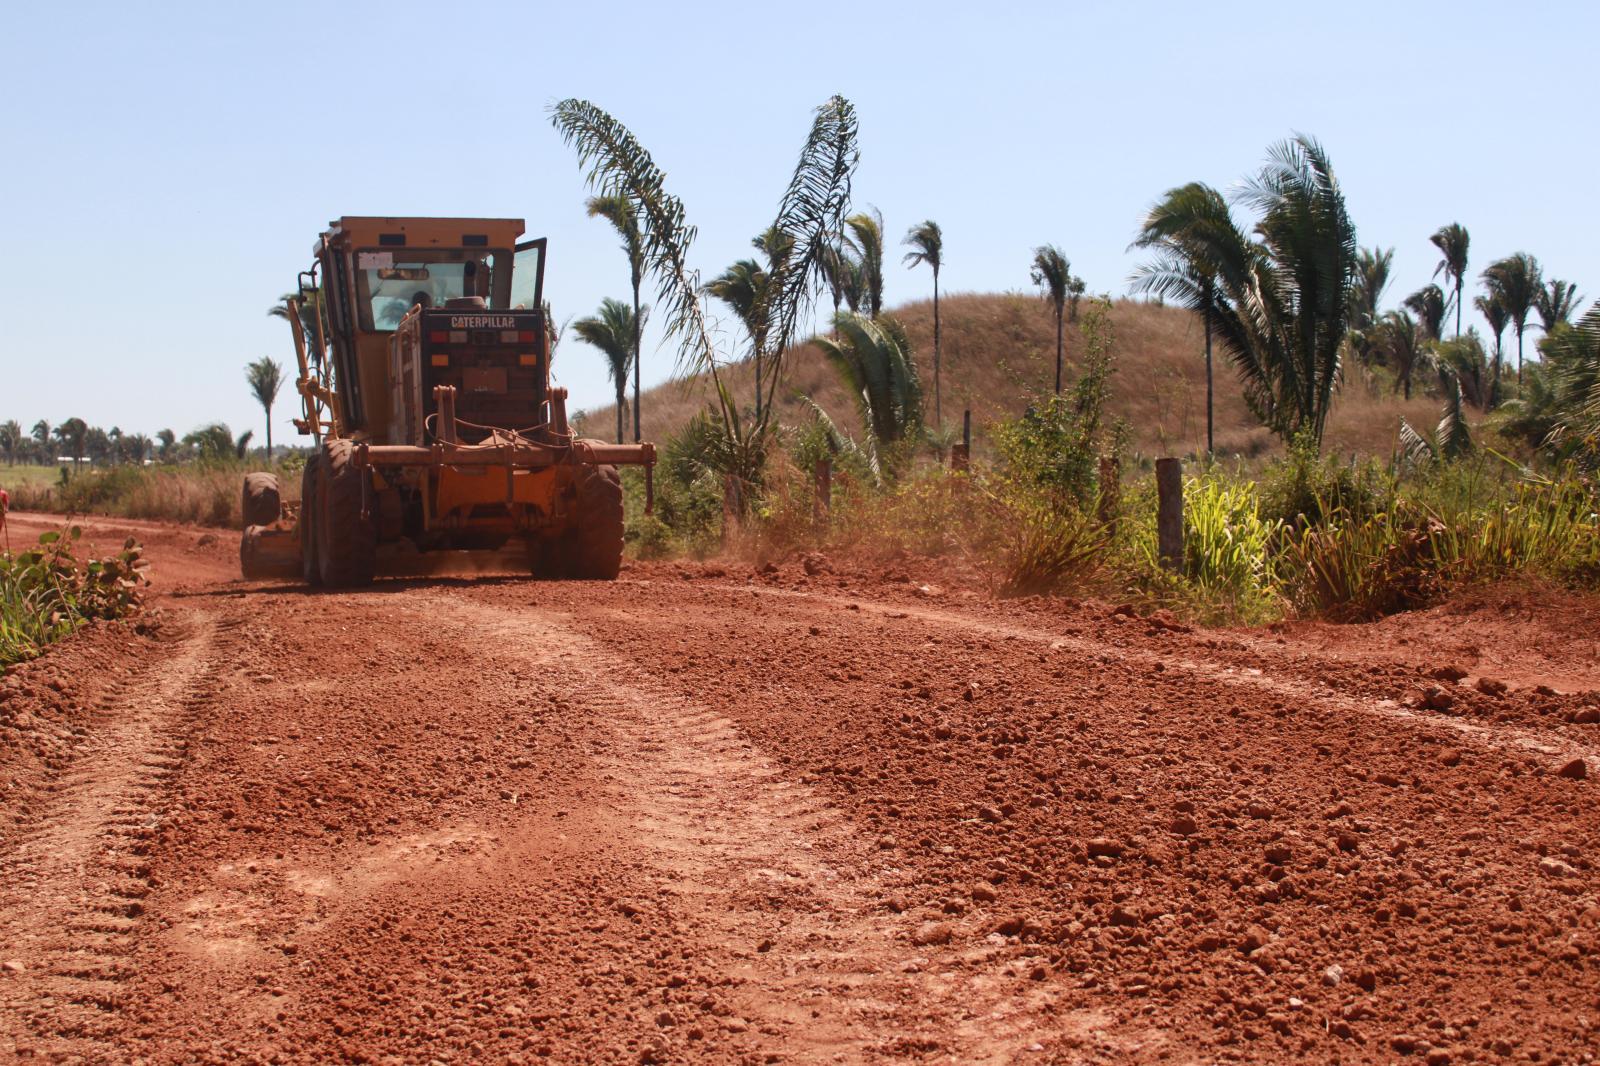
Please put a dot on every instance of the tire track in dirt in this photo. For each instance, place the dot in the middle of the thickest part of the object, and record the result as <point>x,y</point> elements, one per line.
<point>1502,738</point>
<point>786,895</point>
<point>73,882</point>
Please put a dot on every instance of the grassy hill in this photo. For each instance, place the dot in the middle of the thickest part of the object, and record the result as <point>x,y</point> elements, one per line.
<point>999,350</point>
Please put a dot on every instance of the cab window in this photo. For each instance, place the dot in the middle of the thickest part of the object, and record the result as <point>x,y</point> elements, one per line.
<point>389,282</point>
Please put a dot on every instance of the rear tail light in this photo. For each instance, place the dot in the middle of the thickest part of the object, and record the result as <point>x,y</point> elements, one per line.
<point>441,360</point>
<point>525,337</point>
<point>458,336</point>
<point>438,336</point>
<point>528,359</point>
<point>509,336</point>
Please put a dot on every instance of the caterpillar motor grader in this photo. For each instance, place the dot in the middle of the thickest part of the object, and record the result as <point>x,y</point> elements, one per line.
<point>424,377</point>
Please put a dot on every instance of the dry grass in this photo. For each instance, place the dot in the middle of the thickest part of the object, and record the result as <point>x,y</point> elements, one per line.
<point>1000,349</point>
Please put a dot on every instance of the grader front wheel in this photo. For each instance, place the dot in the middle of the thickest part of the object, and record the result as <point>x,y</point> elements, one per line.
<point>592,549</point>
<point>347,543</point>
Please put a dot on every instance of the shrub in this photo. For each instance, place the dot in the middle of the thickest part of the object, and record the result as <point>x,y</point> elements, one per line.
<point>1304,490</point>
<point>47,592</point>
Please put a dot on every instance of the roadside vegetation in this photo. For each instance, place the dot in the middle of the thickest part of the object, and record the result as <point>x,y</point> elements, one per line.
<point>1488,472</point>
<point>48,591</point>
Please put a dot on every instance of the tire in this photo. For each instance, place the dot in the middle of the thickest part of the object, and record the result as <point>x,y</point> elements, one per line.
<point>347,545</point>
<point>260,505</point>
<point>249,554</point>
<point>310,480</point>
<point>592,549</point>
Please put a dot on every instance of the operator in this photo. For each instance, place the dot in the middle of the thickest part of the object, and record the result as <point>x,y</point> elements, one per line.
<point>421,299</point>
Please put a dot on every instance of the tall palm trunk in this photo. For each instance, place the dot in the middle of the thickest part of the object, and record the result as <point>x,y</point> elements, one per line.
<point>1519,355</point>
<point>1458,306</point>
<point>1210,443</point>
<point>1494,381</point>
<point>638,343</point>
<point>268,408</point>
<point>938,406</point>
<point>1060,341</point>
<point>622,401</point>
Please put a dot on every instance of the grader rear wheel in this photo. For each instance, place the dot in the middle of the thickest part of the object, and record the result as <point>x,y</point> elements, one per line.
<point>592,549</point>
<point>260,503</point>
<point>310,480</point>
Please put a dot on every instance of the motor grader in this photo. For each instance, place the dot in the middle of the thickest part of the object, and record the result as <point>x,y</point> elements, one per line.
<point>424,377</point>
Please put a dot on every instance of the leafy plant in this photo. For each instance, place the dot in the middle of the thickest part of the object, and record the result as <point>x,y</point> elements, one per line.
<point>47,592</point>
<point>1451,439</point>
<point>874,360</point>
<point>1056,447</point>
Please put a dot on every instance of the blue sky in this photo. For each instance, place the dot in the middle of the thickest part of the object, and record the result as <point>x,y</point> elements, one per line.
<point>168,166</point>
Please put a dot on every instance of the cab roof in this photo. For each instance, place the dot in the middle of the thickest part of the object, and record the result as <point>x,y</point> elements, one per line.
<point>371,231</point>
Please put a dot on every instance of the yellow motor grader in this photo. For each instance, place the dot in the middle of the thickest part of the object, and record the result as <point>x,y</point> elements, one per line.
<point>424,376</point>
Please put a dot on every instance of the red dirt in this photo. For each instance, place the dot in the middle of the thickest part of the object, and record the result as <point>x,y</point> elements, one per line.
<point>706,814</point>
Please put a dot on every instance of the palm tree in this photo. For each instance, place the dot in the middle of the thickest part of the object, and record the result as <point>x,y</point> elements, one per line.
<point>927,246</point>
<point>1515,282</point>
<point>1554,301</point>
<point>1372,277</point>
<point>1183,229</point>
<point>619,211</point>
<point>136,447</point>
<point>1282,300</point>
<point>1452,242</point>
<point>10,440</point>
<point>1428,304</point>
<point>743,287</point>
<point>864,247</point>
<point>310,311</point>
<point>612,329</point>
<point>1052,273</point>
<point>41,435</point>
<point>215,441</point>
<point>169,441</point>
<point>1464,357</point>
<point>74,435</point>
<point>1404,345</point>
<point>874,359</point>
<point>265,378</point>
<point>839,274</point>
<point>1494,312</point>
<point>99,444</point>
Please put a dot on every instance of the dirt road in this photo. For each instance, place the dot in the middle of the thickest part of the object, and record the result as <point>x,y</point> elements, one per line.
<point>711,814</point>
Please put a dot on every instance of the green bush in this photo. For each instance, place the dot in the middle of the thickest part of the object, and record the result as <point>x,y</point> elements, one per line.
<point>1305,490</point>
<point>47,592</point>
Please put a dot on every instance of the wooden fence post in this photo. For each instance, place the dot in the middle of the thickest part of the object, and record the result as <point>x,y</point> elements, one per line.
<point>1110,494</point>
<point>731,507</point>
<point>961,454</point>
<point>1169,512</point>
<point>822,500</point>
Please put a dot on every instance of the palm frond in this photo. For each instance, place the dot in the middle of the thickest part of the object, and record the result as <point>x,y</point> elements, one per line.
<point>617,165</point>
<point>810,214</point>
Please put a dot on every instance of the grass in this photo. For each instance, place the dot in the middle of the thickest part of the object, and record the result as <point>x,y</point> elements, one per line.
<point>999,354</point>
<point>47,592</point>
<point>28,476</point>
<point>202,493</point>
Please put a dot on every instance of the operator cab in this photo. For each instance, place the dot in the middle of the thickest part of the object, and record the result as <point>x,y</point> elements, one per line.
<point>375,271</point>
